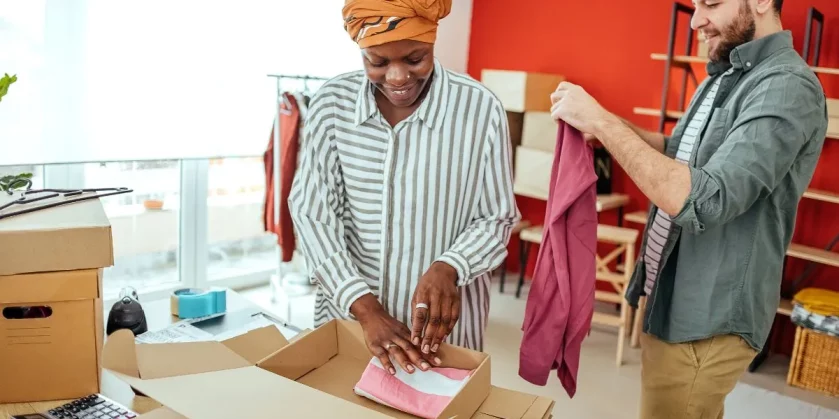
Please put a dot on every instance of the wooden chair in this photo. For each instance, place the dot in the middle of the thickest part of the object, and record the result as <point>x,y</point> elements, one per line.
<point>624,239</point>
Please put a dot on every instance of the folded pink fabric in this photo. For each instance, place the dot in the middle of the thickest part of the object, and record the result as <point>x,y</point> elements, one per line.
<point>424,393</point>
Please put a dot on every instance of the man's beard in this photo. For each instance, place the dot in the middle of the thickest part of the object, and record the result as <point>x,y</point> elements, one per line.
<point>739,32</point>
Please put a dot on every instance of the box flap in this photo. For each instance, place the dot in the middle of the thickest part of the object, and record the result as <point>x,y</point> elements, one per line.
<point>50,287</point>
<point>508,404</point>
<point>150,361</point>
<point>176,359</point>
<point>120,355</point>
<point>257,393</point>
<point>75,236</point>
<point>257,344</point>
<point>162,413</point>
<point>295,361</point>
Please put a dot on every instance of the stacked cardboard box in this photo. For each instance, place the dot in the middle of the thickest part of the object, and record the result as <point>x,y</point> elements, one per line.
<point>528,97</point>
<point>51,316</point>
<point>261,374</point>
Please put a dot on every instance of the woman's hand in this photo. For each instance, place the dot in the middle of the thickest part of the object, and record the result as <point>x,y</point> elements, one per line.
<point>386,337</point>
<point>435,307</point>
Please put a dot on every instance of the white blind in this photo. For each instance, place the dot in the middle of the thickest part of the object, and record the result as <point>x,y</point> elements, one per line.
<point>104,80</point>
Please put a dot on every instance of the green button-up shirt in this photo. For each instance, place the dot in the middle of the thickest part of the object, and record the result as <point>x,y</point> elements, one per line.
<point>722,263</point>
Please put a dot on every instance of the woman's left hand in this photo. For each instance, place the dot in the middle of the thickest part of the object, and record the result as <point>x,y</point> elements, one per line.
<point>435,307</point>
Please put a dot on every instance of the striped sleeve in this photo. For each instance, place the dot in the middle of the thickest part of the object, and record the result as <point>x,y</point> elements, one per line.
<point>482,246</point>
<point>315,204</point>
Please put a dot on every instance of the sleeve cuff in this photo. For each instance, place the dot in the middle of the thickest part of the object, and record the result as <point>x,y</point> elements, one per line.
<point>701,189</point>
<point>348,292</point>
<point>459,263</point>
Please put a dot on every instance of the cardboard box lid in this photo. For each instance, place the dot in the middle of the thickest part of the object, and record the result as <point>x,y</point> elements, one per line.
<point>75,236</point>
<point>152,361</point>
<point>51,287</point>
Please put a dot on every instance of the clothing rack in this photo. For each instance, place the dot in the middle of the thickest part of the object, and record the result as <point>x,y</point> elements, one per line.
<point>280,90</point>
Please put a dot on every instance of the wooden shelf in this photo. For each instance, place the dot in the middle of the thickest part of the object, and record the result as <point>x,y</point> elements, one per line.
<point>691,59</point>
<point>825,70</point>
<point>798,251</point>
<point>657,112</point>
<point>680,59</point>
<point>639,217</point>
<point>608,202</point>
<point>814,254</point>
<point>785,307</point>
<point>823,196</point>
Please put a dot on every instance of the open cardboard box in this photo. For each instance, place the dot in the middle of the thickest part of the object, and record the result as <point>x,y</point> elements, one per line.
<point>260,374</point>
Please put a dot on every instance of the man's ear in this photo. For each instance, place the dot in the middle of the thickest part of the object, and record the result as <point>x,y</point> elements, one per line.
<point>762,7</point>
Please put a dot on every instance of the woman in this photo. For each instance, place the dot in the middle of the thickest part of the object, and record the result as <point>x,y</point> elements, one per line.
<point>403,201</point>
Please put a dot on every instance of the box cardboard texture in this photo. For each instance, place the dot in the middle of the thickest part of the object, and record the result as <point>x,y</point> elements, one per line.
<point>833,108</point>
<point>521,91</point>
<point>73,236</point>
<point>51,315</point>
<point>260,373</point>
<point>533,173</point>
<point>540,131</point>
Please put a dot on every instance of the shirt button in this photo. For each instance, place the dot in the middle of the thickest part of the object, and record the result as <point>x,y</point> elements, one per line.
<point>748,63</point>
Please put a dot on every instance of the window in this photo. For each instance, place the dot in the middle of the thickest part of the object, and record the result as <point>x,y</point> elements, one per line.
<point>238,244</point>
<point>144,224</point>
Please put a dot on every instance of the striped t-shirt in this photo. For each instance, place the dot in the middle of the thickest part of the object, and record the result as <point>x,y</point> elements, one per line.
<point>660,229</point>
<point>374,206</point>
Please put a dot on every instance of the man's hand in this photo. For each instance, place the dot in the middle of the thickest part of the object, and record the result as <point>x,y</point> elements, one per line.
<point>386,337</point>
<point>572,104</point>
<point>439,307</point>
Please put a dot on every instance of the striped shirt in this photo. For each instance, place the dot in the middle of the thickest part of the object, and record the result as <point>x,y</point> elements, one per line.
<point>374,206</point>
<point>661,224</point>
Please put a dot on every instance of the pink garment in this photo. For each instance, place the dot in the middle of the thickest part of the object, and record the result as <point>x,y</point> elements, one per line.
<point>423,393</point>
<point>560,304</point>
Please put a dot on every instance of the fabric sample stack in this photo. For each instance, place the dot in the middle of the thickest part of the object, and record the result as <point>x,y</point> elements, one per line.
<point>424,393</point>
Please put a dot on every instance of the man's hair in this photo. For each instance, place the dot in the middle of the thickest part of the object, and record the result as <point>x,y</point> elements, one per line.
<point>779,4</point>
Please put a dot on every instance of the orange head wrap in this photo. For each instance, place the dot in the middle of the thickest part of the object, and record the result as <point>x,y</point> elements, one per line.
<point>375,22</point>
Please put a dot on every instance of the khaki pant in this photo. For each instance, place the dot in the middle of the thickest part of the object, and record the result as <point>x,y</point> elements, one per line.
<point>690,380</point>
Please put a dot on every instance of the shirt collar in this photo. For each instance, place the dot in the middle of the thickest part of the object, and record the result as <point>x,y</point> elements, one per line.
<point>432,110</point>
<point>747,56</point>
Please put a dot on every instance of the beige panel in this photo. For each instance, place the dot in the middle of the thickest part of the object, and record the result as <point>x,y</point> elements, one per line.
<point>539,132</point>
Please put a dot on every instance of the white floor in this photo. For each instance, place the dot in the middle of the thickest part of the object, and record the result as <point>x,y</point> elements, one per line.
<point>604,390</point>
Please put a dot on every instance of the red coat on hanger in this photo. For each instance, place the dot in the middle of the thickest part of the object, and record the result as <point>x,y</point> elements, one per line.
<point>289,117</point>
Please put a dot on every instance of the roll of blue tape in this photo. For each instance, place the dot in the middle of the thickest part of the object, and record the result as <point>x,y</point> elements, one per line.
<point>189,303</point>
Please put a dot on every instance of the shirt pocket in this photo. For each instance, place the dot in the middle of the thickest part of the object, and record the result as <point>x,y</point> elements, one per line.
<point>715,133</point>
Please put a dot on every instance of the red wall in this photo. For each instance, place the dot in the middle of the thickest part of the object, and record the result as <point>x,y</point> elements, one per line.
<point>605,46</point>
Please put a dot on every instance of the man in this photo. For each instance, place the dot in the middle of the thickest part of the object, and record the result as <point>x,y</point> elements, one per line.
<point>724,188</point>
<point>403,201</point>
